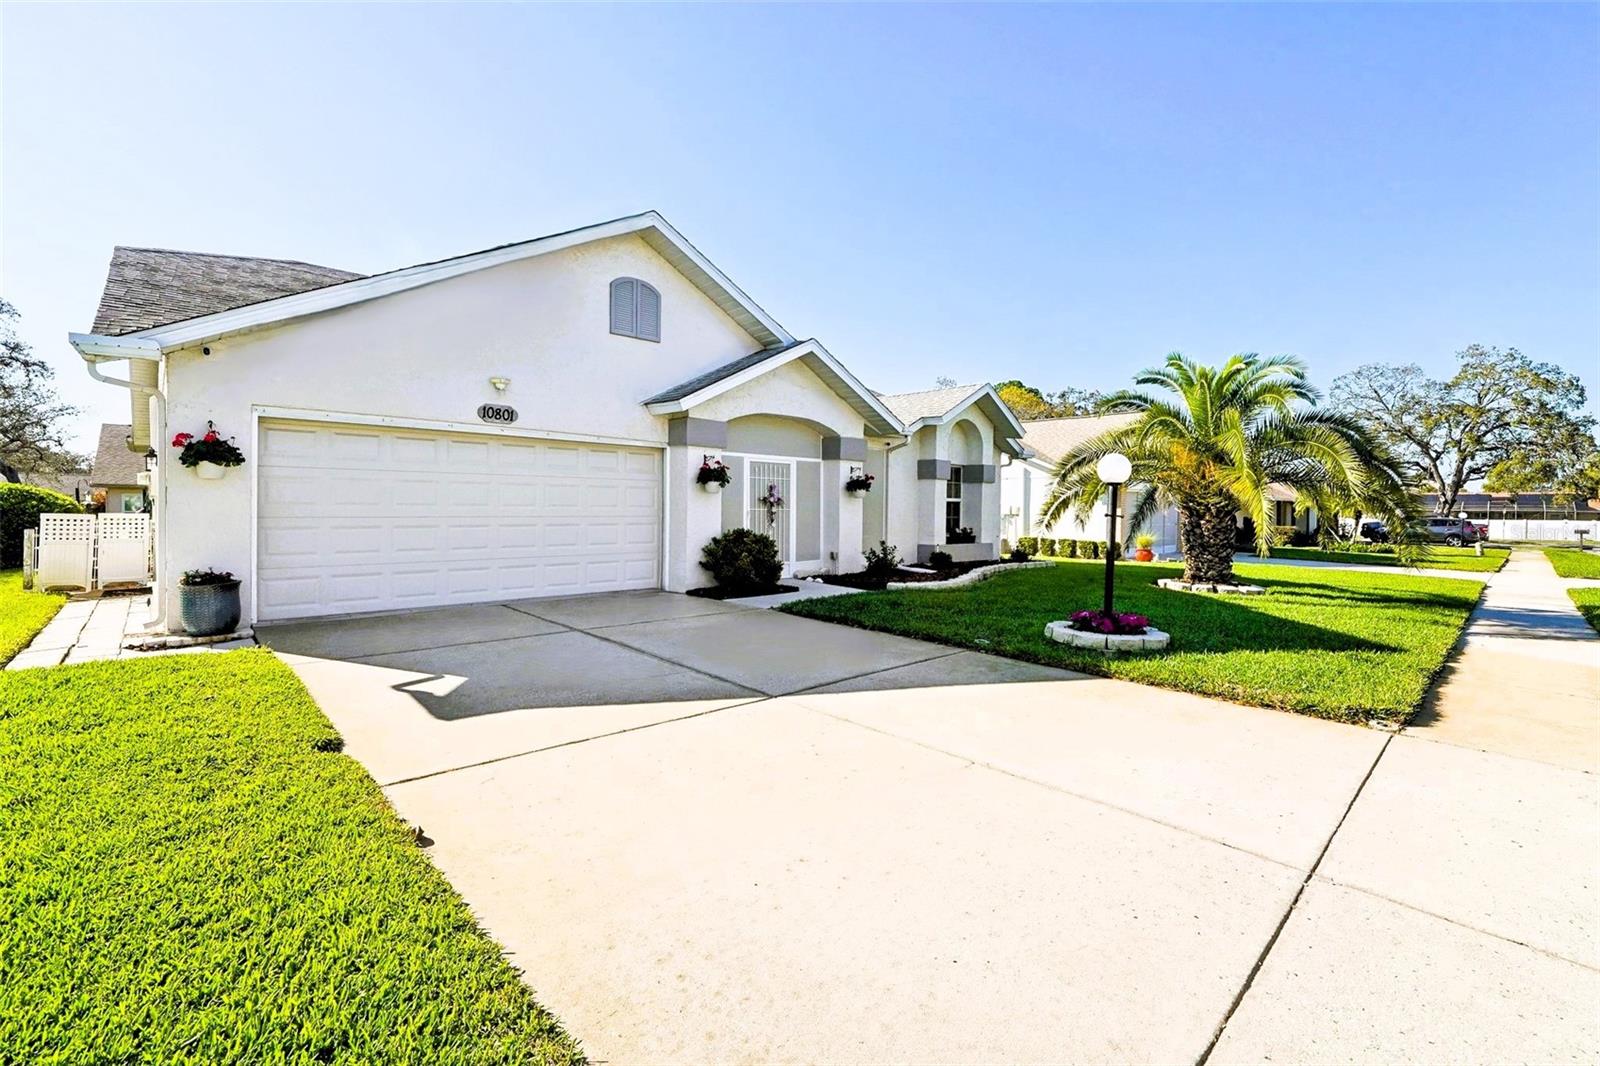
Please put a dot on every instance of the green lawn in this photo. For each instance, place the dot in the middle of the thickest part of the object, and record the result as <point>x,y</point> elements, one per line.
<point>1588,601</point>
<point>22,613</point>
<point>1340,644</point>
<point>1440,557</point>
<point>192,873</point>
<point>1570,562</point>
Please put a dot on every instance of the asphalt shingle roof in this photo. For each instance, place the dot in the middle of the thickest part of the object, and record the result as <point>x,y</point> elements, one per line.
<point>148,287</point>
<point>716,374</point>
<point>932,403</point>
<point>1052,438</point>
<point>114,462</point>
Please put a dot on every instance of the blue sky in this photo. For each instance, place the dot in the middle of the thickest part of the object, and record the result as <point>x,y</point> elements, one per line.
<point>1062,194</point>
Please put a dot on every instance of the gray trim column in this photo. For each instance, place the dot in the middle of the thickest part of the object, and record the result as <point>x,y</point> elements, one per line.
<point>977,474</point>
<point>846,449</point>
<point>697,432</point>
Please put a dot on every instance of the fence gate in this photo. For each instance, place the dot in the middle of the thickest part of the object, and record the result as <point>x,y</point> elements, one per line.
<point>122,549</point>
<point>66,551</point>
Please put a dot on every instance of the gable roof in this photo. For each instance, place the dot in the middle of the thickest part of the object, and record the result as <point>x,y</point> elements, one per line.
<point>649,227</point>
<point>718,373</point>
<point>148,287</point>
<point>1051,438</point>
<point>736,372</point>
<point>115,463</point>
<point>938,406</point>
<point>930,403</point>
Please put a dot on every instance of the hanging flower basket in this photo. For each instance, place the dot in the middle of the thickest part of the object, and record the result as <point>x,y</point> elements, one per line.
<point>858,483</point>
<point>208,455</point>
<point>714,474</point>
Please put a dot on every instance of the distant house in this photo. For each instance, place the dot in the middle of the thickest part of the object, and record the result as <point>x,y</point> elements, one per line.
<point>74,484</point>
<point>1025,483</point>
<point>119,469</point>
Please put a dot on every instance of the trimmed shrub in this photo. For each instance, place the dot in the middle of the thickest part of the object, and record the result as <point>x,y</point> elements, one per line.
<point>1028,544</point>
<point>1069,548</point>
<point>20,508</point>
<point>742,561</point>
<point>882,562</point>
<point>1048,546</point>
<point>1093,546</point>
<point>940,560</point>
<point>1019,556</point>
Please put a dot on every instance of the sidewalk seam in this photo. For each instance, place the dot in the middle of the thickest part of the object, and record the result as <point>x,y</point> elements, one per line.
<point>1288,912</point>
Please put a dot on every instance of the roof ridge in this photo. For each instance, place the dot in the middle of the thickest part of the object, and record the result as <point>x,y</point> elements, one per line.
<point>237,258</point>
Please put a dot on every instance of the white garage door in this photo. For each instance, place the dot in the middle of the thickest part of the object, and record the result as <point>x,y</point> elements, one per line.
<point>360,519</point>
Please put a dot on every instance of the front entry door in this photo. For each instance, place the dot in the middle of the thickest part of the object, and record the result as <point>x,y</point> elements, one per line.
<point>777,522</point>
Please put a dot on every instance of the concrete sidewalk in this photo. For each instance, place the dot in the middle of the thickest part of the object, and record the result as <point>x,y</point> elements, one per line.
<point>1526,678</point>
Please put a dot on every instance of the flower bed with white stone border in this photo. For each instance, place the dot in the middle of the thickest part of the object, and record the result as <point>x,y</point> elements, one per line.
<point>1150,640</point>
<point>983,573</point>
<point>1177,584</point>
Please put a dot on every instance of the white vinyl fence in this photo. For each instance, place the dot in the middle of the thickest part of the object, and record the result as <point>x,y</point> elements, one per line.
<point>1558,529</point>
<point>85,551</point>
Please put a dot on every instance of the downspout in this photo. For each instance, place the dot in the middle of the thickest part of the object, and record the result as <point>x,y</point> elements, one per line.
<point>888,482</point>
<point>96,350</point>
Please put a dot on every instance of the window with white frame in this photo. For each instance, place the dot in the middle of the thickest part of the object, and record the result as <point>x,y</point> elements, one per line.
<point>132,503</point>
<point>952,502</point>
<point>635,309</point>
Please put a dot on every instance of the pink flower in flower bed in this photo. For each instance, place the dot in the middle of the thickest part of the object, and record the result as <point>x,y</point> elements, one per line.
<point>1114,624</point>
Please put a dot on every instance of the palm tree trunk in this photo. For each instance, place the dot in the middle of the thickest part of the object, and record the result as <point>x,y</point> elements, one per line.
<point>1207,528</point>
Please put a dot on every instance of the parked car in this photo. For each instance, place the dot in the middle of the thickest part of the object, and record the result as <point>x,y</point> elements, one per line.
<point>1442,529</point>
<point>1438,529</point>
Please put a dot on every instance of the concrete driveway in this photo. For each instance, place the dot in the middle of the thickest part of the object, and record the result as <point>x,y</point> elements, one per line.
<point>711,833</point>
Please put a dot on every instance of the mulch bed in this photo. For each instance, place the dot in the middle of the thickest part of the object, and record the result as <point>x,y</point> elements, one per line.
<point>717,592</point>
<point>862,580</point>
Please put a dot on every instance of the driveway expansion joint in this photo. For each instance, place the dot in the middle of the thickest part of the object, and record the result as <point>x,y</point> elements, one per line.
<point>1288,912</point>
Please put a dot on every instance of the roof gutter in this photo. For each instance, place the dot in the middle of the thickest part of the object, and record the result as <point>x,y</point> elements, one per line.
<point>96,349</point>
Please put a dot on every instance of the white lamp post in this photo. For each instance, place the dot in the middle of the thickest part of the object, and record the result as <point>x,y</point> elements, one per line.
<point>1113,469</point>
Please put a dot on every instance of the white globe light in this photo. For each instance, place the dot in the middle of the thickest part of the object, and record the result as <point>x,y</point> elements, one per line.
<point>1113,468</point>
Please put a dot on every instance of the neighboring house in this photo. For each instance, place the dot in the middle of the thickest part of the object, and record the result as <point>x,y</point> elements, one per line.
<point>1025,484</point>
<point>518,422</point>
<point>119,469</point>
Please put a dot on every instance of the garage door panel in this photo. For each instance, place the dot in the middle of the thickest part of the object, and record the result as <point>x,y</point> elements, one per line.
<point>359,520</point>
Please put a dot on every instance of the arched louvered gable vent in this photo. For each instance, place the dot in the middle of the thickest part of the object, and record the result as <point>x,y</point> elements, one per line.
<point>635,309</point>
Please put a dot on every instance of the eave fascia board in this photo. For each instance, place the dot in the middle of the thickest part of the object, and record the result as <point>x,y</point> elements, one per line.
<point>95,346</point>
<point>207,328</point>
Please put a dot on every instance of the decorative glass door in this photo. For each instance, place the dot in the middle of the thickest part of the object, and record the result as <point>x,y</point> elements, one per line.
<point>769,481</point>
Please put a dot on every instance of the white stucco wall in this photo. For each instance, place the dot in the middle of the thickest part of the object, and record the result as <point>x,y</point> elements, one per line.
<point>1023,488</point>
<point>427,354</point>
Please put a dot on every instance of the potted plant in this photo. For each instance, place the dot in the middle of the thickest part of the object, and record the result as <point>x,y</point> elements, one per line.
<point>208,602</point>
<point>859,483</point>
<point>1143,543</point>
<point>714,474</point>
<point>208,455</point>
<point>964,535</point>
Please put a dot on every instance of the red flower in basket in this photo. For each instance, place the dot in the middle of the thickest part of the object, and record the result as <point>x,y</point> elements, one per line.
<point>210,436</point>
<point>181,439</point>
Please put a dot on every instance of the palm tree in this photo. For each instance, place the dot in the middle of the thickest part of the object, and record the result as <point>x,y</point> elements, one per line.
<point>1213,448</point>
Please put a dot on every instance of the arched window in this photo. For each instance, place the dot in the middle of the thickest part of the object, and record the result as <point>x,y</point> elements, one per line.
<point>635,309</point>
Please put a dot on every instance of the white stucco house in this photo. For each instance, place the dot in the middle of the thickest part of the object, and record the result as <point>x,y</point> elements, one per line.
<point>523,421</point>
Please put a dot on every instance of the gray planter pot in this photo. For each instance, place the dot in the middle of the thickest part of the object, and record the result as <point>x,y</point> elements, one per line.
<point>207,610</point>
